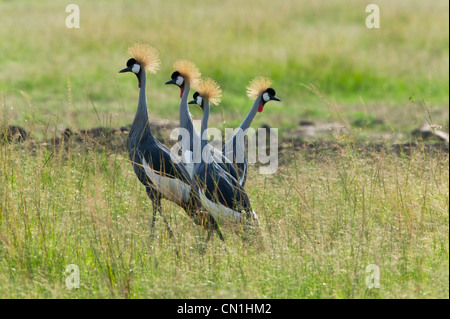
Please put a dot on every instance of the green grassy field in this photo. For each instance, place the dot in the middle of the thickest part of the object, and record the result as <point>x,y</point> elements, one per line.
<point>325,218</point>
<point>326,214</point>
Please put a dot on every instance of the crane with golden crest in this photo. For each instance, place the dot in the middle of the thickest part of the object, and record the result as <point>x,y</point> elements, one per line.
<point>260,90</point>
<point>221,194</point>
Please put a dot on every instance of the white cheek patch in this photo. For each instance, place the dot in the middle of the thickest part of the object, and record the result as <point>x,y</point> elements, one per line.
<point>179,81</point>
<point>136,68</point>
<point>199,100</point>
<point>266,97</point>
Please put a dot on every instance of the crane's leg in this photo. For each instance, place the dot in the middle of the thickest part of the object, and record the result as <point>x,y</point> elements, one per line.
<point>213,226</point>
<point>154,198</point>
<point>210,232</point>
<point>156,203</point>
<point>220,235</point>
<point>169,230</point>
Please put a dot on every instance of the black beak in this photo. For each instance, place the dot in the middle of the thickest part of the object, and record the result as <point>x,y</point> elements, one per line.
<point>170,82</point>
<point>192,102</point>
<point>275,98</point>
<point>125,70</point>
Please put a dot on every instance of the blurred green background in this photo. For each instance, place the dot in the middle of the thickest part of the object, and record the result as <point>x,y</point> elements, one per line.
<point>53,77</point>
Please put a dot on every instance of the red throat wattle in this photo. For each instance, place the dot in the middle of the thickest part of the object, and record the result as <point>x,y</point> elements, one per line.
<point>261,107</point>
<point>181,93</point>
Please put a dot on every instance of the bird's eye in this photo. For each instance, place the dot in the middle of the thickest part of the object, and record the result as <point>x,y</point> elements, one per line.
<point>266,97</point>
<point>136,68</point>
<point>179,81</point>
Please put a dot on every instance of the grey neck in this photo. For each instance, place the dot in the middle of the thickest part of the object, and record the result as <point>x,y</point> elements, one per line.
<point>185,116</point>
<point>235,143</point>
<point>140,128</point>
<point>251,115</point>
<point>204,133</point>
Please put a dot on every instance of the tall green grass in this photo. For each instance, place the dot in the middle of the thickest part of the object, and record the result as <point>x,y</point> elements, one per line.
<point>325,218</point>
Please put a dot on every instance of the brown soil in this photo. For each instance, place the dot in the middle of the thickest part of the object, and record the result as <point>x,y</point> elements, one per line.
<point>115,140</point>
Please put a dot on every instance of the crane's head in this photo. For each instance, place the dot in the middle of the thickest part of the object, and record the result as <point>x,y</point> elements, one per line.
<point>133,66</point>
<point>266,96</point>
<point>178,80</point>
<point>259,88</point>
<point>144,58</point>
<point>185,71</point>
<point>208,90</point>
<point>197,100</point>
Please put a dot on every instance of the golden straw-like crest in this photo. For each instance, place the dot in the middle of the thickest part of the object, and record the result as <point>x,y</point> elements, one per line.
<point>257,86</point>
<point>210,90</point>
<point>188,70</point>
<point>146,55</point>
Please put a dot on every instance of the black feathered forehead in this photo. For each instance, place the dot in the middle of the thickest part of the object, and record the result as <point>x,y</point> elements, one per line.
<point>131,62</point>
<point>175,75</point>
<point>271,91</point>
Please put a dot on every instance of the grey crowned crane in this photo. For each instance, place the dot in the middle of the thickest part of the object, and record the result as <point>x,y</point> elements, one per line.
<point>221,194</point>
<point>154,164</point>
<point>234,149</point>
<point>187,75</point>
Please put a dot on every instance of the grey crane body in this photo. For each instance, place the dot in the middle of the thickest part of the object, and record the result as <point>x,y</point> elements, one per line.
<point>221,193</point>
